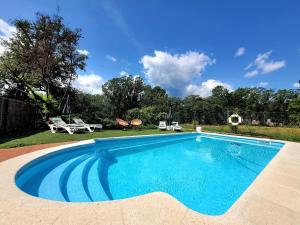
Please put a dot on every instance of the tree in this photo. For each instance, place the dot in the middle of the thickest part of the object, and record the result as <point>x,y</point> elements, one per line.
<point>156,97</point>
<point>91,108</point>
<point>123,93</point>
<point>279,105</point>
<point>294,110</point>
<point>42,55</point>
<point>219,104</point>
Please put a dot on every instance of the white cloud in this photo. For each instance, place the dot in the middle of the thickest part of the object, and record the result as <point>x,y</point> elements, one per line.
<point>111,58</point>
<point>263,84</point>
<point>272,66</point>
<point>296,85</point>
<point>205,88</point>
<point>6,31</point>
<point>83,51</point>
<point>263,65</point>
<point>174,72</point>
<point>124,73</point>
<point>240,51</point>
<point>252,73</point>
<point>89,83</point>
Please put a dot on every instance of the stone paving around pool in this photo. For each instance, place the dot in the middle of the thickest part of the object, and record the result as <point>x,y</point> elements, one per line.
<point>273,198</point>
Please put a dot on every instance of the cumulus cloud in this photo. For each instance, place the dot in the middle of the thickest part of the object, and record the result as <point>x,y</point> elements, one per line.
<point>263,65</point>
<point>296,85</point>
<point>240,51</point>
<point>89,83</point>
<point>263,84</point>
<point>111,58</point>
<point>174,72</point>
<point>83,51</point>
<point>205,88</point>
<point>6,31</point>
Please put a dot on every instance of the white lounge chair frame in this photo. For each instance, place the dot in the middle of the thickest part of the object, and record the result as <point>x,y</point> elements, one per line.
<point>162,125</point>
<point>175,126</point>
<point>58,123</point>
<point>89,127</point>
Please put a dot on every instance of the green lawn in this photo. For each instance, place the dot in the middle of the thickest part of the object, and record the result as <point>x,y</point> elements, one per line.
<point>43,137</point>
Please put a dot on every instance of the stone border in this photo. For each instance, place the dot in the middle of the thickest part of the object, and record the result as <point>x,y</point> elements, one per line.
<point>273,198</point>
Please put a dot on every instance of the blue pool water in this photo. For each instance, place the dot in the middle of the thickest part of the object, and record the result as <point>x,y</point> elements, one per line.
<point>205,172</point>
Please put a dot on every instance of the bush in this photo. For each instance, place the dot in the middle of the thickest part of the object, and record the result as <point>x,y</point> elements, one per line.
<point>146,114</point>
<point>109,124</point>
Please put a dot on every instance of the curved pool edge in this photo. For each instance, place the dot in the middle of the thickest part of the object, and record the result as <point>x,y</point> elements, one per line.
<point>257,204</point>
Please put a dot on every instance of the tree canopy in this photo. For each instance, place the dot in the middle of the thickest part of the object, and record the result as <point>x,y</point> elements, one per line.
<point>40,56</point>
<point>129,97</point>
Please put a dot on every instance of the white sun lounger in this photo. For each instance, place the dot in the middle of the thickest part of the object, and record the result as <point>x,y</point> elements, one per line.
<point>58,123</point>
<point>175,126</point>
<point>162,125</point>
<point>89,127</point>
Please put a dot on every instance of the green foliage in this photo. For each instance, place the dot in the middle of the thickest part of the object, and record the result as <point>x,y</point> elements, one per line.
<point>146,114</point>
<point>41,56</point>
<point>153,104</point>
<point>90,108</point>
<point>108,123</point>
<point>123,93</point>
<point>294,111</point>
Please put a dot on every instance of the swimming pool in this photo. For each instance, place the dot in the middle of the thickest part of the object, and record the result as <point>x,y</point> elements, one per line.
<point>205,172</point>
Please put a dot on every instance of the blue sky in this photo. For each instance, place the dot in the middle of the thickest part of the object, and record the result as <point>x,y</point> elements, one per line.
<point>188,47</point>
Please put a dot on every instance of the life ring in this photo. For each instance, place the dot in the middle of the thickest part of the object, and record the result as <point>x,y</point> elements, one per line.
<point>239,119</point>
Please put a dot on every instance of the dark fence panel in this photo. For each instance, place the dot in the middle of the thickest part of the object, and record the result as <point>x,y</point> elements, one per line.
<point>16,116</point>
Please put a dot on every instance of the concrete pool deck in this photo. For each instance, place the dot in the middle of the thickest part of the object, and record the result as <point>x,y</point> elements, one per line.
<point>273,198</point>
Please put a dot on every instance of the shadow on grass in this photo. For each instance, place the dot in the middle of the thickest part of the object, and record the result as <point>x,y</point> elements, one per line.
<point>10,137</point>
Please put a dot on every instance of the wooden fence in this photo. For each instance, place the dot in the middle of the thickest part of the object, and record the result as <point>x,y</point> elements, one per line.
<point>16,116</point>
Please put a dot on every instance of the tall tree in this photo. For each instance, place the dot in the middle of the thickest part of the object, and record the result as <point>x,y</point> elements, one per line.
<point>42,55</point>
<point>123,93</point>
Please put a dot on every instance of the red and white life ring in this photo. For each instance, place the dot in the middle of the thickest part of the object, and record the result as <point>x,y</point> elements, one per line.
<point>239,119</point>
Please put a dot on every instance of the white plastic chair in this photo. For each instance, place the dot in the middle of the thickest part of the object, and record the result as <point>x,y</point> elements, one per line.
<point>58,123</point>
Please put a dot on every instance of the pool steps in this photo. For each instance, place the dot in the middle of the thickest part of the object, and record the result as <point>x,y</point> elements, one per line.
<point>74,189</point>
<point>50,188</point>
<point>94,180</point>
<point>85,176</point>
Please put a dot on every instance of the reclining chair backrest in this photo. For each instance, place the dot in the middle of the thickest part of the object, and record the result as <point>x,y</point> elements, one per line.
<point>78,121</point>
<point>57,121</point>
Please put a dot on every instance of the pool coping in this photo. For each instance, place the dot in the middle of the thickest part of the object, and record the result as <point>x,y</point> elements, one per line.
<point>273,198</point>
